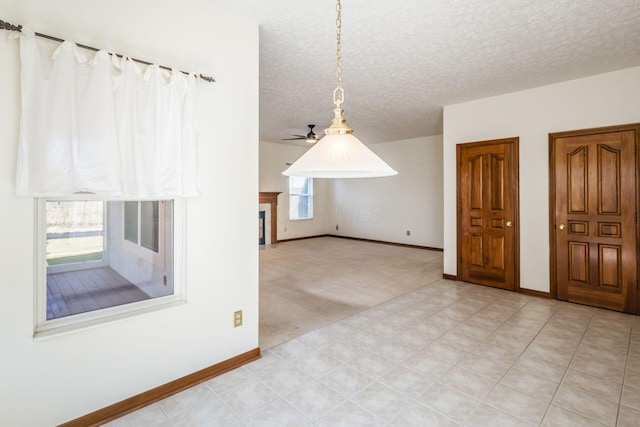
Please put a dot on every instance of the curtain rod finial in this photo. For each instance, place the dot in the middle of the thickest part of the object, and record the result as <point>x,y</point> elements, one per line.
<point>9,27</point>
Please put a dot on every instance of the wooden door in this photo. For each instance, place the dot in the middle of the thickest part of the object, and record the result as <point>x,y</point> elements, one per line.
<point>487,192</point>
<point>593,217</point>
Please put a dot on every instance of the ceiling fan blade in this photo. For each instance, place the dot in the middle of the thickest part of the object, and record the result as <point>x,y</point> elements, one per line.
<point>310,137</point>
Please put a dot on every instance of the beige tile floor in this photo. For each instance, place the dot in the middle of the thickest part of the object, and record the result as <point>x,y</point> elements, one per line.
<point>447,353</point>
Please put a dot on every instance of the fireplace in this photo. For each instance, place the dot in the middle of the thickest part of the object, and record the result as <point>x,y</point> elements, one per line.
<point>269,205</point>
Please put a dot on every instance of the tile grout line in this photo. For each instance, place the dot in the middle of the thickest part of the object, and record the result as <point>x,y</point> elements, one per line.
<point>411,399</point>
<point>285,397</point>
<point>456,364</point>
<point>467,353</point>
<point>224,402</point>
<point>567,370</point>
<point>165,414</point>
<point>624,374</point>
<point>512,365</point>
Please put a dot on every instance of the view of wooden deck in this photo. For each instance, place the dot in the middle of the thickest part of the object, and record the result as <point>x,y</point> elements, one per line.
<point>81,291</point>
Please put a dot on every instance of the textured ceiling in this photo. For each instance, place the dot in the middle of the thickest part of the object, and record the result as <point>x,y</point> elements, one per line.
<point>404,60</point>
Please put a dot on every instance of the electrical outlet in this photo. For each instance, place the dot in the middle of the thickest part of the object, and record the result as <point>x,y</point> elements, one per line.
<point>237,318</point>
<point>285,229</point>
<point>408,232</point>
<point>337,227</point>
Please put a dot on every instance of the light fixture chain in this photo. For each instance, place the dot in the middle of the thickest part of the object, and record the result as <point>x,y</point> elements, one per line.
<point>339,154</point>
<point>338,93</point>
<point>339,43</point>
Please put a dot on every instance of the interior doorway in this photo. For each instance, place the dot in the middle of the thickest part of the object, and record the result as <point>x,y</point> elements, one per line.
<point>593,216</point>
<point>487,209</point>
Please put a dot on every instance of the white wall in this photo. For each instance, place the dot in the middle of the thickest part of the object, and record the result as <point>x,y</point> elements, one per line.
<point>49,381</point>
<point>273,160</point>
<point>602,100</point>
<point>385,208</point>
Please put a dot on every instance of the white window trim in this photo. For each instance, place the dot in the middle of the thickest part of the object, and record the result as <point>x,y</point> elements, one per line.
<point>44,328</point>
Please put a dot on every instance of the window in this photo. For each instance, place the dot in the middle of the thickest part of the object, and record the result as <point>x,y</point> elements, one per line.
<point>141,224</point>
<point>104,258</point>
<point>75,234</point>
<point>300,197</point>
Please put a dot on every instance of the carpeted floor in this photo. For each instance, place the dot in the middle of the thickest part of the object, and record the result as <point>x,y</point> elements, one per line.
<point>308,284</point>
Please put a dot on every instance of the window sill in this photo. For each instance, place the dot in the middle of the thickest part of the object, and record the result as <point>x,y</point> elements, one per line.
<point>92,319</point>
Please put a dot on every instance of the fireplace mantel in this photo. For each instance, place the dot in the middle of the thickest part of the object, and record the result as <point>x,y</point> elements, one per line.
<point>271,197</point>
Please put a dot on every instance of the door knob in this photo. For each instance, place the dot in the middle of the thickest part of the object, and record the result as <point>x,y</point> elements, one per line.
<point>508,223</point>
<point>561,226</point>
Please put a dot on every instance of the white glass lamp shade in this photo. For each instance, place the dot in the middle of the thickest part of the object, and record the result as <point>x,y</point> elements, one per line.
<point>339,156</point>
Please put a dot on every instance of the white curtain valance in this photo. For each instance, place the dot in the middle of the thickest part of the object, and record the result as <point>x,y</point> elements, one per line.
<point>105,126</point>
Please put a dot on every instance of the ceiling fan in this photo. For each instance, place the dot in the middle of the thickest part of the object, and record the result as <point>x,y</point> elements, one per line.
<point>311,137</point>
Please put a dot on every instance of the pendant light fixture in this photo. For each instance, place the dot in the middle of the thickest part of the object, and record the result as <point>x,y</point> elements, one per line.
<point>339,154</point>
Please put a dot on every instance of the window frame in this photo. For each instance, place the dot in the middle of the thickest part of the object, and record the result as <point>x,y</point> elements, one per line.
<point>309,196</point>
<point>44,328</point>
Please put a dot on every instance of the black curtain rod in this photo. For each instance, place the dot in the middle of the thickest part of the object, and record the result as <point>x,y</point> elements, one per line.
<point>6,26</point>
